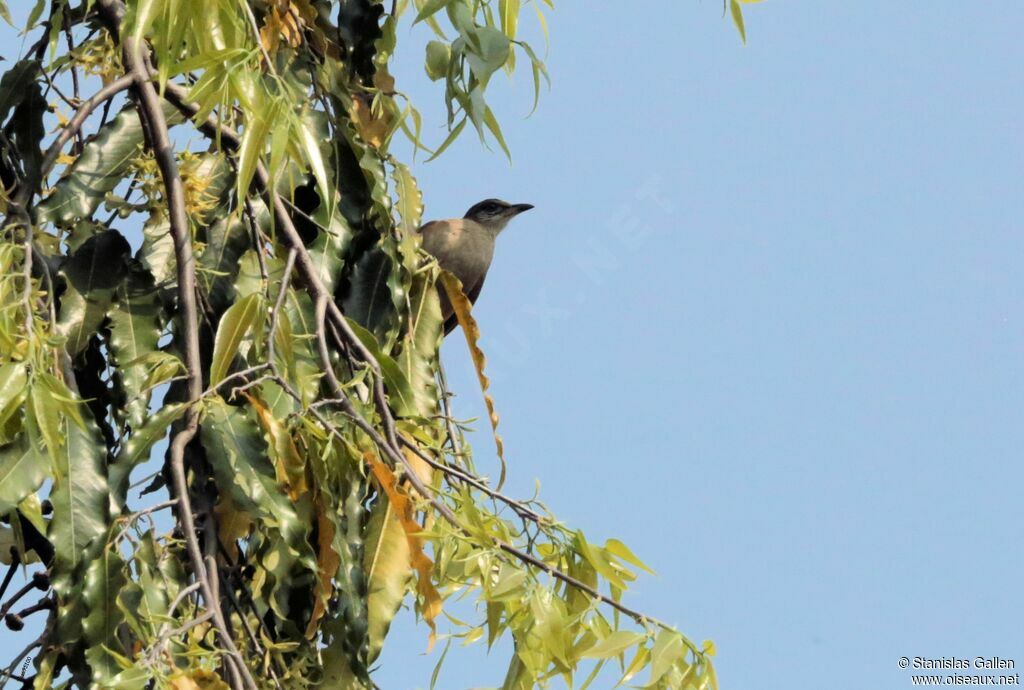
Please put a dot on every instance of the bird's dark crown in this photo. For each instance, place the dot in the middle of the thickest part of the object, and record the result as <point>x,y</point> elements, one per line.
<point>490,209</point>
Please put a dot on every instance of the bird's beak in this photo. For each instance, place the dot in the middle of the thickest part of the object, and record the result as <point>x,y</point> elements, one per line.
<point>519,208</point>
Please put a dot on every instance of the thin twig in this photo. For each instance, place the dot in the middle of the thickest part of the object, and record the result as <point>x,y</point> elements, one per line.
<point>69,130</point>
<point>520,508</point>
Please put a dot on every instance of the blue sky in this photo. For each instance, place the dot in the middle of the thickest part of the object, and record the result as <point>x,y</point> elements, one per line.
<point>765,324</point>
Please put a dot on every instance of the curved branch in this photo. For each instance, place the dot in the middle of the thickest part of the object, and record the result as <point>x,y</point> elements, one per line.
<point>155,125</point>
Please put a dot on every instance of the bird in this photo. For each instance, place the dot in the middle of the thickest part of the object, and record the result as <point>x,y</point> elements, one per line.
<point>465,246</point>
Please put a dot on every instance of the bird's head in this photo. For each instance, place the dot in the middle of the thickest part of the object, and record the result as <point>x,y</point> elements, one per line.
<point>494,214</point>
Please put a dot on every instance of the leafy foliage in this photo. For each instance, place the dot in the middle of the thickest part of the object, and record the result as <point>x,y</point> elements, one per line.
<point>279,322</point>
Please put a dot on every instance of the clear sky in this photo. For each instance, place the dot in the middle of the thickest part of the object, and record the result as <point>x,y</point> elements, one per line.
<point>765,324</point>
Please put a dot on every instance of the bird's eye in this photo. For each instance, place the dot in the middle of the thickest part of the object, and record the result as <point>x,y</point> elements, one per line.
<point>491,208</point>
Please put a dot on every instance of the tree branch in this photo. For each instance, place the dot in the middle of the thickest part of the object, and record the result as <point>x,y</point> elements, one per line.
<point>159,140</point>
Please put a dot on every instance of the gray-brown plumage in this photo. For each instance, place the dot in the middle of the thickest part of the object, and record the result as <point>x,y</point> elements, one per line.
<point>465,246</point>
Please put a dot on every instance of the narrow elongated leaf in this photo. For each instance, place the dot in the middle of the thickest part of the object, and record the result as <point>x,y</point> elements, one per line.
<point>463,312</point>
<point>234,326</point>
<point>138,446</point>
<point>104,578</point>
<point>93,274</point>
<point>15,84</point>
<point>388,572</point>
<point>23,469</point>
<point>99,169</point>
<point>409,198</point>
<point>667,650</point>
<point>737,18</point>
<point>619,549</point>
<point>136,320</point>
<point>419,354</point>
<point>429,8</point>
<point>80,502</point>
<point>13,379</point>
<point>403,399</point>
<point>613,645</point>
<point>430,604</point>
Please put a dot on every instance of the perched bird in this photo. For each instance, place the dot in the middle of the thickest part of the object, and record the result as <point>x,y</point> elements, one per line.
<point>465,246</point>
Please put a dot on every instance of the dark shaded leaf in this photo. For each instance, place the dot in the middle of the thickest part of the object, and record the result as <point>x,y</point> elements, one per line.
<point>93,274</point>
<point>28,128</point>
<point>369,299</point>
<point>136,319</point>
<point>136,449</point>
<point>15,84</point>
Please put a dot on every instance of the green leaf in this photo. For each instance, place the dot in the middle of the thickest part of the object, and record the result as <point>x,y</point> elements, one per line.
<point>45,418</point>
<point>737,18</point>
<point>420,343</point>
<point>452,136</point>
<point>237,321</point>
<point>667,650</point>
<point>136,320</point>
<point>136,449</point>
<point>28,130</point>
<point>13,381</point>
<point>80,502</point>
<point>487,50</point>
<point>613,645</point>
<point>15,84</point>
<point>617,548</point>
<point>410,198</point>
<point>93,274</point>
<point>251,148</point>
<point>510,583</point>
<point>403,400</point>
<point>238,452</point>
<point>509,10</point>
<point>23,469</point>
<point>439,57</point>
<point>430,8</point>
<point>101,167</point>
<point>157,252</point>
<point>227,240</point>
<point>104,578</point>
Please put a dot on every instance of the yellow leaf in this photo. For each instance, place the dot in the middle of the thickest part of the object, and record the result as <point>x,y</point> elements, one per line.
<point>373,130</point>
<point>232,524</point>
<point>420,562</point>
<point>198,680</point>
<point>463,312</point>
<point>288,462</point>
<point>709,646</point>
<point>328,560</point>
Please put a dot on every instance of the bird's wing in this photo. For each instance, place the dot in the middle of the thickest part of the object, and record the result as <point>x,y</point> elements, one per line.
<point>451,320</point>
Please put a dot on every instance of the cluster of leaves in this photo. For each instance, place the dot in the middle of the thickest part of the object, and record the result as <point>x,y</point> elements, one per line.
<point>312,532</point>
